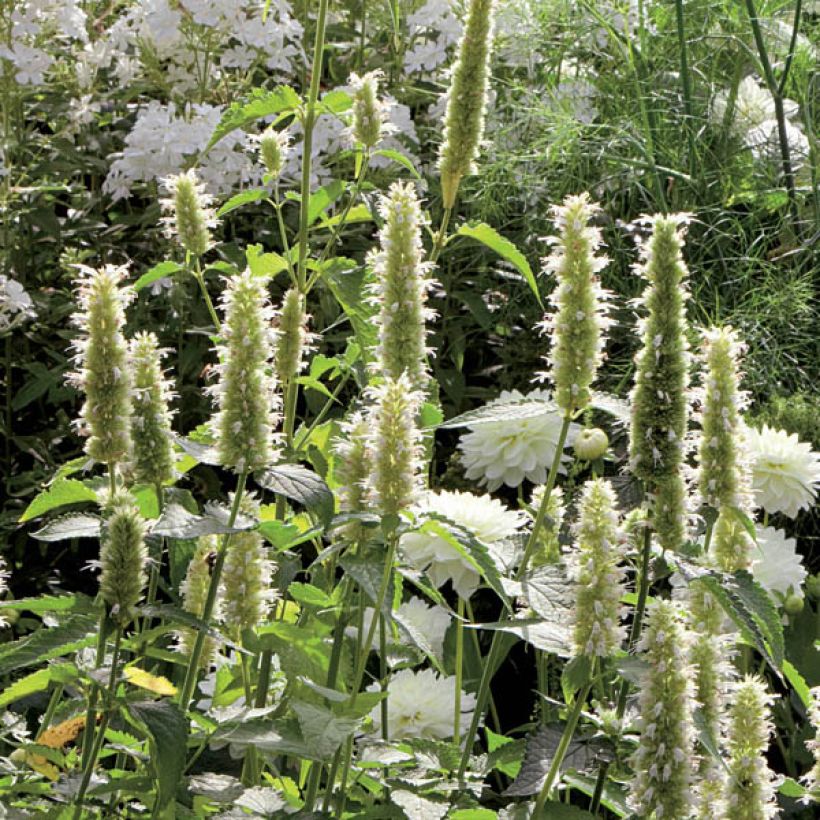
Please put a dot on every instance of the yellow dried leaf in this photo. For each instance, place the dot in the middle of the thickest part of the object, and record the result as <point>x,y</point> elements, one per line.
<point>55,737</point>
<point>153,683</point>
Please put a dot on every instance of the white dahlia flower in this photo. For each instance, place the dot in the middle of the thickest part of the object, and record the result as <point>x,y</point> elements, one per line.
<point>508,451</point>
<point>785,471</point>
<point>776,564</point>
<point>431,622</point>
<point>486,518</point>
<point>422,704</point>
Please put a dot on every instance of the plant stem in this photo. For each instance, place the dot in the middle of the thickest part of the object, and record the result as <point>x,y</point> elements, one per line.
<point>563,745</point>
<point>459,670</point>
<point>100,734</point>
<point>192,671</point>
<point>200,278</point>
<point>492,658</point>
<point>441,235</point>
<point>686,82</point>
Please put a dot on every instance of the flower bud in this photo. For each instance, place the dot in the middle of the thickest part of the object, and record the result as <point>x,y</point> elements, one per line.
<point>599,578</point>
<point>591,444</point>
<point>579,319</point>
<point>723,479</point>
<point>794,604</point>
<point>123,557</point>
<point>400,288</point>
<point>247,590</point>
<point>153,455</point>
<point>292,337</point>
<point>749,791</point>
<point>102,355</point>
<point>369,123</point>
<point>659,397</point>
<point>352,469</point>
<point>664,761</point>
<point>394,440</point>
<point>464,119</point>
<point>274,147</point>
<point>246,395</point>
<point>189,218</point>
<point>194,593</point>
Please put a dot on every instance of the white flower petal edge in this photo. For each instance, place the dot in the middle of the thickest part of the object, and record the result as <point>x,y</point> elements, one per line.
<point>776,565</point>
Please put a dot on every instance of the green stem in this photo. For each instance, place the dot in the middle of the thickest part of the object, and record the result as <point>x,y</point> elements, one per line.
<point>307,143</point>
<point>561,751</point>
<point>100,734</point>
<point>192,671</point>
<point>459,670</point>
<point>492,659</point>
<point>441,235</point>
<point>200,278</point>
<point>686,82</point>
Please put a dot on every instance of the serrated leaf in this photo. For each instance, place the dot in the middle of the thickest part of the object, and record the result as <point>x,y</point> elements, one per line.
<point>618,408</point>
<point>168,731</point>
<point>52,603</point>
<point>266,265</point>
<point>242,198</point>
<point>257,106</point>
<point>401,159</point>
<point>72,525</point>
<point>336,101</point>
<point>301,485</point>
<point>322,730</point>
<point>349,284</point>
<point>798,683</point>
<point>277,736</point>
<point>549,592</point>
<point>309,595</point>
<point>159,271</point>
<point>46,644</point>
<point>490,237</point>
<point>367,572</point>
<point>152,683</point>
<point>416,807</point>
<point>322,199</point>
<point>613,797</point>
<point>504,412</point>
<point>60,494</point>
<point>202,453</point>
<point>358,213</point>
<point>37,681</point>
<point>548,637</point>
<point>177,522</point>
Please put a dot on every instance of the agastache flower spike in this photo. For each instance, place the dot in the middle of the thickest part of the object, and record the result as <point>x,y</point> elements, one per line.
<point>464,119</point>
<point>394,440</point>
<point>664,761</point>
<point>352,469</point>
<point>153,455</point>
<point>659,398</point>
<point>400,288</point>
<point>578,323</point>
<point>194,592</point>
<point>548,547</point>
<point>274,147</point>
<point>812,778</point>
<point>370,121</point>
<point>103,374</point>
<point>246,395</point>
<point>750,788</point>
<point>292,337</point>
<point>247,590</point>
<point>189,217</point>
<point>599,579</point>
<point>123,557</point>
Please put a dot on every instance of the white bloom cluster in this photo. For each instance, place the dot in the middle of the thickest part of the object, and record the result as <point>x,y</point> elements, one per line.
<point>785,470</point>
<point>498,452</point>
<point>433,30</point>
<point>753,121</point>
<point>15,304</point>
<point>776,564</point>
<point>164,139</point>
<point>422,704</point>
<point>482,516</point>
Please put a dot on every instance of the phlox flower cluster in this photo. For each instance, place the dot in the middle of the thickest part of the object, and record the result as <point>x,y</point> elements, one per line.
<point>15,304</point>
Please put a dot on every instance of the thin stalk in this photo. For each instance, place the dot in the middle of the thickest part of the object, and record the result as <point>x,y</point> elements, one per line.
<point>100,735</point>
<point>686,82</point>
<point>200,278</point>
<point>307,143</point>
<point>492,658</point>
<point>53,702</point>
<point>192,671</point>
<point>459,671</point>
<point>156,566</point>
<point>383,673</point>
<point>441,235</point>
<point>780,115</point>
<point>283,234</point>
<point>561,751</point>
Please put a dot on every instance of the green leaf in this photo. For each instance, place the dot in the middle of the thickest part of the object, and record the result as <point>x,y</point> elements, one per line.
<point>73,525</point>
<point>576,674</point>
<point>504,248</point>
<point>336,102</point>
<point>177,522</point>
<point>61,493</point>
<point>37,681</point>
<point>242,198</point>
<point>798,683</point>
<point>322,199</point>
<point>398,157</point>
<point>301,485</point>
<point>159,271</point>
<point>506,753</point>
<point>506,412</point>
<point>322,730</point>
<point>45,644</point>
<point>309,595</point>
<point>358,213</point>
<point>791,788</point>
<point>257,106</point>
<point>547,636</point>
<point>168,730</point>
<point>747,604</point>
<point>52,603</point>
<point>367,571</point>
<point>613,797</point>
<point>348,282</point>
<point>278,737</point>
<point>264,264</point>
